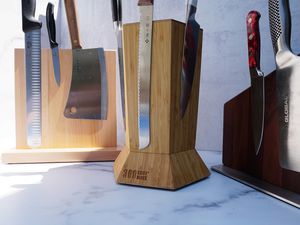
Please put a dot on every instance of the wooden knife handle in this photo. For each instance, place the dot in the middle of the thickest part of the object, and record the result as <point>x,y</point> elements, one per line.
<point>72,22</point>
<point>253,36</point>
<point>145,2</point>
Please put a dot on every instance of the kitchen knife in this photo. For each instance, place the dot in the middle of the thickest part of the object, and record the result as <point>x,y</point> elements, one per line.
<point>116,6</point>
<point>88,95</point>
<point>53,44</point>
<point>32,30</point>
<point>144,71</point>
<point>190,49</point>
<point>257,79</point>
<point>287,85</point>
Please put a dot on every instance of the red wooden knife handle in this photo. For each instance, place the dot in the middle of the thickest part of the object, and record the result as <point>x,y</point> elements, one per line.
<point>145,2</point>
<point>253,36</point>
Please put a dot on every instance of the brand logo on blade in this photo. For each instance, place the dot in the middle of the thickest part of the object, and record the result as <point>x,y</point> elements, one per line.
<point>135,174</point>
<point>286,109</point>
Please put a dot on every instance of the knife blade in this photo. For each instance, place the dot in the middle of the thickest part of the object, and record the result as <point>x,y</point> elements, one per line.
<point>32,29</point>
<point>53,44</point>
<point>257,79</point>
<point>287,85</point>
<point>144,71</point>
<point>116,6</point>
<point>190,49</point>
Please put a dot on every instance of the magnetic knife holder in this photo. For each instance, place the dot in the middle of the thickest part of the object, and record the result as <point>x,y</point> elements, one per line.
<point>63,140</point>
<point>262,172</point>
<point>170,161</point>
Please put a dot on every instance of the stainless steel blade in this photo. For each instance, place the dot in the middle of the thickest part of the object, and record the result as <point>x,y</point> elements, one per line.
<point>33,88</point>
<point>287,86</point>
<point>144,74</point>
<point>257,107</point>
<point>104,84</point>
<point>84,100</point>
<point>56,64</point>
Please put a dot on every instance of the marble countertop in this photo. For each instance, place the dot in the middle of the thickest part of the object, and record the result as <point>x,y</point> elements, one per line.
<point>86,194</point>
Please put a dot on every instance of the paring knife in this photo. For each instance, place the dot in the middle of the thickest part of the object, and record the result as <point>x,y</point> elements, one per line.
<point>189,55</point>
<point>257,79</point>
<point>144,71</point>
<point>287,85</point>
<point>116,6</point>
<point>32,30</point>
<point>88,96</point>
<point>53,44</point>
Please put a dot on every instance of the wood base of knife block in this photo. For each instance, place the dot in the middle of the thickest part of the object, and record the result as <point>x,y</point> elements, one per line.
<point>238,147</point>
<point>63,140</point>
<point>170,161</point>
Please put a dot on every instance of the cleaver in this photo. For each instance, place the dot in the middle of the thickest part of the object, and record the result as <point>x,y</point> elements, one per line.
<point>287,85</point>
<point>88,95</point>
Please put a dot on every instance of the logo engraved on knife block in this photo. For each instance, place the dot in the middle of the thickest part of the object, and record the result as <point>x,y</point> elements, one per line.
<point>135,174</point>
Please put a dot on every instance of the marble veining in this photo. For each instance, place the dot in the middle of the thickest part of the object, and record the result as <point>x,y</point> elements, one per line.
<point>86,193</point>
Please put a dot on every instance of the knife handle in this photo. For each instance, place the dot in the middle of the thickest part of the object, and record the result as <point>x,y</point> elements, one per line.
<point>114,10</point>
<point>253,36</point>
<point>51,25</point>
<point>72,22</point>
<point>120,14</point>
<point>29,23</point>
<point>145,2</point>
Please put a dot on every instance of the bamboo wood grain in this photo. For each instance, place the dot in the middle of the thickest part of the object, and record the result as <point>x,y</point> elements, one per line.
<point>71,13</point>
<point>58,131</point>
<point>171,160</point>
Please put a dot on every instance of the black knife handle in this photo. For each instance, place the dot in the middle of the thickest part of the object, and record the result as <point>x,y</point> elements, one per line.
<point>114,10</point>
<point>253,35</point>
<point>51,25</point>
<point>29,23</point>
<point>120,10</point>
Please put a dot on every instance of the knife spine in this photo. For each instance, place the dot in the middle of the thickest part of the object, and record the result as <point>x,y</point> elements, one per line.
<point>71,12</point>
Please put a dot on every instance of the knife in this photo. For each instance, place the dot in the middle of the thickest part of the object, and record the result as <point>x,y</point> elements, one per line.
<point>32,30</point>
<point>144,71</point>
<point>190,49</point>
<point>257,79</point>
<point>53,44</point>
<point>287,85</point>
<point>116,6</point>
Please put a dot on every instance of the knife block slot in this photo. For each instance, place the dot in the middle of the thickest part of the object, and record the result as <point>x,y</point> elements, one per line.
<point>63,140</point>
<point>238,146</point>
<point>170,161</point>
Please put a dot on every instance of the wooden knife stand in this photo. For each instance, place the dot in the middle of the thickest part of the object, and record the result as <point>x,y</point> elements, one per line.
<point>63,140</point>
<point>170,161</point>
<point>262,172</point>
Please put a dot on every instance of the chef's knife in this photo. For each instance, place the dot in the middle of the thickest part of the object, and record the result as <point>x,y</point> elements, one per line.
<point>116,6</point>
<point>88,96</point>
<point>189,55</point>
<point>32,30</point>
<point>144,71</point>
<point>287,85</point>
<point>53,44</point>
<point>257,79</point>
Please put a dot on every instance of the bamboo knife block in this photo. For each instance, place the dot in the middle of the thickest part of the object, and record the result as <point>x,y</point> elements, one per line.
<point>170,161</point>
<point>63,139</point>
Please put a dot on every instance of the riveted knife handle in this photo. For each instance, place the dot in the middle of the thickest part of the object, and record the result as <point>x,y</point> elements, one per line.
<point>29,23</point>
<point>51,25</point>
<point>145,2</point>
<point>72,22</point>
<point>253,35</point>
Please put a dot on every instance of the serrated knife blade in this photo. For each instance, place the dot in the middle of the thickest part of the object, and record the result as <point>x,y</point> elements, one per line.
<point>32,30</point>
<point>144,71</point>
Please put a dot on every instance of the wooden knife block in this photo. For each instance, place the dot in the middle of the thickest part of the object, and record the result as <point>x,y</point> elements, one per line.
<point>238,147</point>
<point>170,161</point>
<point>63,139</point>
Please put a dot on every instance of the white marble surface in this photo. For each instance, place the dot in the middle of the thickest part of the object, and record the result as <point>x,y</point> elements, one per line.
<point>77,194</point>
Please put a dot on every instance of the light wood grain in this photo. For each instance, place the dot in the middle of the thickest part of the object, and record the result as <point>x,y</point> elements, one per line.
<point>171,153</point>
<point>58,131</point>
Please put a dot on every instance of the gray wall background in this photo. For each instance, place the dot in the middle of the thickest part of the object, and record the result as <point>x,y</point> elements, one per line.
<point>224,66</point>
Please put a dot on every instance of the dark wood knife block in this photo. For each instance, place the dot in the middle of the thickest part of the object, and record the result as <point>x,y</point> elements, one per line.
<point>238,147</point>
<point>63,140</point>
<point>170,161</point>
